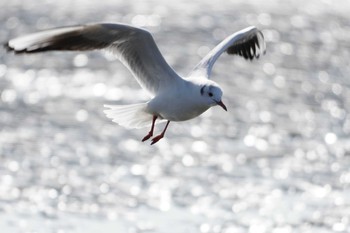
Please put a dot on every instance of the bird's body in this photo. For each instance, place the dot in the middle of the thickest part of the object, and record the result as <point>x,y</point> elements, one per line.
<point>174,98</point>
<point>183,104</point>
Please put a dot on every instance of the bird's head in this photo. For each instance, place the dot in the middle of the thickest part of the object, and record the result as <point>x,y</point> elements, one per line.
<point>212,95</point>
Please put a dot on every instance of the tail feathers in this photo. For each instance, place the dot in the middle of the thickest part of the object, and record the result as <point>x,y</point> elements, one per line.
<point>129,116</point>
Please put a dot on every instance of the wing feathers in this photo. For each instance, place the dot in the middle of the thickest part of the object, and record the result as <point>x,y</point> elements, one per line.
<point>53,39</point>
<point>248,43</point>
<point>248,47</point>
<point>135,47</point>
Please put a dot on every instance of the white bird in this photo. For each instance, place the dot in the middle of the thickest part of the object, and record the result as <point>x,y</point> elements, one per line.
<point>174,98</point>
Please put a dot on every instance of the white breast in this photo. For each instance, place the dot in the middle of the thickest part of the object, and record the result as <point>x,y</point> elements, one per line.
<point>179,104</point>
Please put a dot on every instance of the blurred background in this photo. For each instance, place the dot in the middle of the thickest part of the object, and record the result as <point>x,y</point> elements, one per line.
<point>278,161</point>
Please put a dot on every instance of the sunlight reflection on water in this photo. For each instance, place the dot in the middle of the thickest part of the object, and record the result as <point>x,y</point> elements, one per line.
<point>278,161</point>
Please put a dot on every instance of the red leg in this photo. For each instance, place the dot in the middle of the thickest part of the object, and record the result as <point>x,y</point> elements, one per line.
<point>160,136</point>
<point>150,133</point>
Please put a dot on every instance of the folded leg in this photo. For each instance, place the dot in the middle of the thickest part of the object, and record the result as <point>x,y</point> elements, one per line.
<point>150,133</point>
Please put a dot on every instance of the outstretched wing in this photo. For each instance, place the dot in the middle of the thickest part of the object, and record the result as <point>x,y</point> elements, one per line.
<point>135,47</point>
<point>248,43</point>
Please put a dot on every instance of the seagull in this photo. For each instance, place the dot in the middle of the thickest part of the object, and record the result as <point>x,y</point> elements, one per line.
<point>173,98</point>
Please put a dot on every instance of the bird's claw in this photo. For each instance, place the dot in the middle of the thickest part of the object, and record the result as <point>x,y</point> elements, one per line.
<point>148,136</point>
<point>157,138</point>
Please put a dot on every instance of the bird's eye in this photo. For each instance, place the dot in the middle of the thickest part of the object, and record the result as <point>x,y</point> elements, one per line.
<point>210,94</point>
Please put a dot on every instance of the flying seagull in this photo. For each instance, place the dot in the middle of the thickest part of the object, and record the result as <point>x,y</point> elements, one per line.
<point>174,98</point>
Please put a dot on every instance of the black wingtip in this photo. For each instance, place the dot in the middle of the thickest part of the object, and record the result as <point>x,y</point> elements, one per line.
<point>10,49</point>
<point>7,47</point>
<point>249,48</point>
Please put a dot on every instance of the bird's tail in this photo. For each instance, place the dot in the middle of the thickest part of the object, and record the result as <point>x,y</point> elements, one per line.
<point>129,116</point>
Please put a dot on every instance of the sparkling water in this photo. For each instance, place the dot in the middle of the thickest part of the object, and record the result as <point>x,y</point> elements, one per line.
<point>278,161</point>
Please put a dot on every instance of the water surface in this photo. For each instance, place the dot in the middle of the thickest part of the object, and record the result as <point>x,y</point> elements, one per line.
<point>278,161</point>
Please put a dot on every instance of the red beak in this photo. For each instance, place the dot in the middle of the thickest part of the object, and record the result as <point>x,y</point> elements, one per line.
<point>222,105</point>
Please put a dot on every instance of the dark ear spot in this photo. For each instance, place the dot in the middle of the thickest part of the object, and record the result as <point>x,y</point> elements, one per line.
<point>202,90</point>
